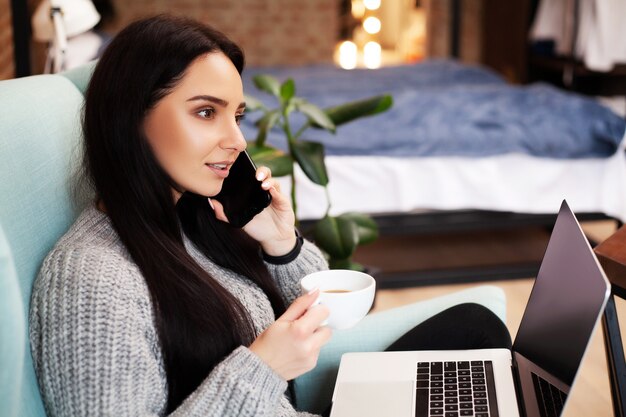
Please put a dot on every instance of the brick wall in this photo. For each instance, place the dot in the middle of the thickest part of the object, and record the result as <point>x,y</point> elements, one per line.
<point>271,32</point>
<point>7,66</point>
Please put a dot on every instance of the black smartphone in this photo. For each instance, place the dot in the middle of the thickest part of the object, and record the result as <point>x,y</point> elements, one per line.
<point>241,194</point>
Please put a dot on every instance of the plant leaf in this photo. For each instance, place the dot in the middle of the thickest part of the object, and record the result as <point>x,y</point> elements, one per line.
<point>317,116</point>
<point>310,157</point>
<point>293,104</point>
<point>268,84</point>
<point>253,104</point>
<point>367,228</point>
<point>336,236</point>
<point>256,151</point>
<point>265,124</point>
<point>287,90</point>
<point>345,264</point>
<point>280,165</point>
<point>276,160</point>
<point>347,112</point>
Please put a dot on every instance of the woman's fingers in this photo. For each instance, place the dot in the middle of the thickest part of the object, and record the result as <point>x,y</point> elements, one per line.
<point>305,315</point>
<point>270,185</point>
<point>321,336</point>
<point>313,318</point>
<point>292,344</point>
<point>299,306</point>
<point>263,173</point>
<point>279,201</point>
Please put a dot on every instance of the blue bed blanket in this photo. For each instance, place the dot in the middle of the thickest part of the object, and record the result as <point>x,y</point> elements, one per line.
<point>443,108</point>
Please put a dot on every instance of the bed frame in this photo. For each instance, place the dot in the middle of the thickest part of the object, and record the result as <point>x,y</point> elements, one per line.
<point>443,223</point>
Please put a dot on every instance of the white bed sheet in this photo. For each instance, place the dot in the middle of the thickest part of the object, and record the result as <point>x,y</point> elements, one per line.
<point>512,182</point>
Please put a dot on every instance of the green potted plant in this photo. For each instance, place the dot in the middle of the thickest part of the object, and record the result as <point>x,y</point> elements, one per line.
<point>337,236</point>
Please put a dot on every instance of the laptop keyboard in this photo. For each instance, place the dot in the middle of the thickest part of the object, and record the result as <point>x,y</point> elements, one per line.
<point>454,389</point>
<point>549,398</point>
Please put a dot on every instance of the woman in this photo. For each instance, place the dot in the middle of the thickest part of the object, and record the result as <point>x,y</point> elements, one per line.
<point>152,304</point>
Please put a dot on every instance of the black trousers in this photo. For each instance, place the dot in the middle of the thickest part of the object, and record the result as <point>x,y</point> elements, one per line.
<point>464,326</point>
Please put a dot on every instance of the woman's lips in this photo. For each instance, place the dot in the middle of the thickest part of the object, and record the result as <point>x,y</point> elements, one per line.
<point>220,169</point>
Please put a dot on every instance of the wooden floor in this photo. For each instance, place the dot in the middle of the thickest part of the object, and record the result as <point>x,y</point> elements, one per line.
<point>591,396</point>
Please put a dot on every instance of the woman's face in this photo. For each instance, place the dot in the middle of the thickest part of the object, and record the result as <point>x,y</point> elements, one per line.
<point>194,131</point>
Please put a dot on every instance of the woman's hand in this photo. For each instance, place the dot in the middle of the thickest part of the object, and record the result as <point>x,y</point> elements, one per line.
<point>273,228</point>
<point>291,345</point>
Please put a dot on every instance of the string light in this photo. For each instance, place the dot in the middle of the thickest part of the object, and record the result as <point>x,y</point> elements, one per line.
<point>372,55</point>
<point>358,9</point>
<point>371,4</point>
<point>372,25</point>
<point>348,55</point>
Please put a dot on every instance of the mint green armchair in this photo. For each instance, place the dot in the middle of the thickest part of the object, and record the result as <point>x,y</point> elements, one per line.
<point>39,155</point>
<point>39,139</point>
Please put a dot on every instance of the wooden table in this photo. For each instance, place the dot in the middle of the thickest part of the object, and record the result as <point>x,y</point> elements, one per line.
<point>612,256</point>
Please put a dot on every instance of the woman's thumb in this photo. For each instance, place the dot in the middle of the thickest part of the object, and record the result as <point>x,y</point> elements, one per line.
<point>218,209</point>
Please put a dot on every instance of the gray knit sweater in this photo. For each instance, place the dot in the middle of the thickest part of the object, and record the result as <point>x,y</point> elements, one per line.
<point>95,346</point>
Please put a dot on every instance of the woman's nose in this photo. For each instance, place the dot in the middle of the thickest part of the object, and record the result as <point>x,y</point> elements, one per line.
<point>234,139</point>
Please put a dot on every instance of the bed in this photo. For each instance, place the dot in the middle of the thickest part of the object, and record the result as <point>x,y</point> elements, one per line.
<point>458,140</point>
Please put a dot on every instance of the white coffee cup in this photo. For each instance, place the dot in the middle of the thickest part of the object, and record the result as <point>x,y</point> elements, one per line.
<point>347,294</point>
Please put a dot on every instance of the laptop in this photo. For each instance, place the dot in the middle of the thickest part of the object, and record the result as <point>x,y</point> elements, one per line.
<point>533,379</point>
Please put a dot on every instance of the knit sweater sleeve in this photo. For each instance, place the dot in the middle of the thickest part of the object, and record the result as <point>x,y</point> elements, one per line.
<point>288,275</point>
<point>96,351</point>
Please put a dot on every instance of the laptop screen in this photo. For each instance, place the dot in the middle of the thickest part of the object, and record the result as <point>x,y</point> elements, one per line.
<point>567,300</point>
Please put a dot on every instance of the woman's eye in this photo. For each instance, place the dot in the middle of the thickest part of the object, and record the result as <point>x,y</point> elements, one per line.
<point>206,113</point>
<point>240,117</point>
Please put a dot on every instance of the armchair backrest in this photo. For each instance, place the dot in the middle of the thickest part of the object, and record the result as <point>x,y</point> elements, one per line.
<point>40,153</point>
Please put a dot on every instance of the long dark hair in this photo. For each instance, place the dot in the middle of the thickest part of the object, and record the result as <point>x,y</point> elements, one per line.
<point>198,321</point>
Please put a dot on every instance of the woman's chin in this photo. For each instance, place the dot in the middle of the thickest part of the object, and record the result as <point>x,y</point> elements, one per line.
<point>210,193</point>
<point>207,190</point>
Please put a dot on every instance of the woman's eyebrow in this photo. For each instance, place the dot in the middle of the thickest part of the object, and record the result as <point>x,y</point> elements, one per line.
<point>215,100</point>
<point>212,99</point>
